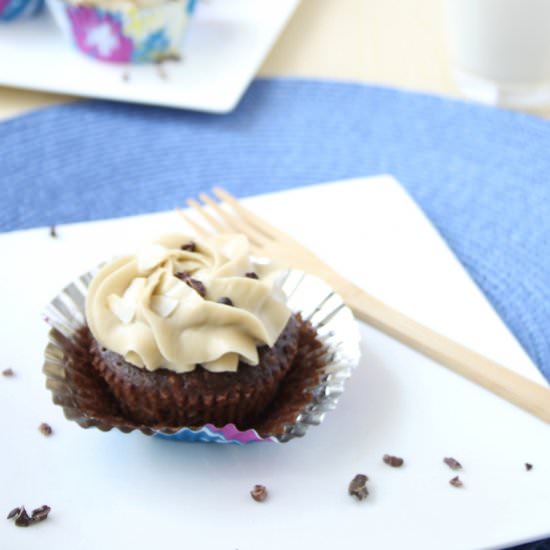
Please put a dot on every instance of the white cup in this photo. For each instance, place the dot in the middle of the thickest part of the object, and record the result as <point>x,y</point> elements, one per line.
<point>500,50</point>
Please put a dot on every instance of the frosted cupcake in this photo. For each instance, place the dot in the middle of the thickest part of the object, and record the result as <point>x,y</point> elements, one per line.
<point>11,10</point>
<point>125,31</point>
<point>188,333</point>
<point>197,341</point>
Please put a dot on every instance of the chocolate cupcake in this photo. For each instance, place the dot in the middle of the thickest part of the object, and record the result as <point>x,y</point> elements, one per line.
<point>197,342</point>
<point>187,333</point>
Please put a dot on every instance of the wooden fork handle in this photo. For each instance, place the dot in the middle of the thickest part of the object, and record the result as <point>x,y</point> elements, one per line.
<point>513,387</point>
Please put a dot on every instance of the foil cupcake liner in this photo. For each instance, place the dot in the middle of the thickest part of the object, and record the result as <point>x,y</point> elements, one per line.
<point>11,10</point>
<point>126,33</point>
<point>79,392</point>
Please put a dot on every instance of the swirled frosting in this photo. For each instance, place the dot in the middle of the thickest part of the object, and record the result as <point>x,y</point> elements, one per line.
<point>177,303</point>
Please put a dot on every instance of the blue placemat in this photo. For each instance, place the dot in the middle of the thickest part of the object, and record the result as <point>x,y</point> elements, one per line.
<point>480,174</point>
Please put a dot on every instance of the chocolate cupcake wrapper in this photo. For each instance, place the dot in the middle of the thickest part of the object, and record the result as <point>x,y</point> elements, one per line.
<point>79,391</point>
<point>11,10</point>
<point>127,33</point>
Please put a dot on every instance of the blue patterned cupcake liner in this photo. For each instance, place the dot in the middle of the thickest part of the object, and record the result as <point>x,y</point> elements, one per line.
<point>336,329</point>
<point>11,10</point>
<point>126,33</point>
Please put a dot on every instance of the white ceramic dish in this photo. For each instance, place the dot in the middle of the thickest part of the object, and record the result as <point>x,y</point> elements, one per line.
<point>115,490</point>
<point>226,43</point>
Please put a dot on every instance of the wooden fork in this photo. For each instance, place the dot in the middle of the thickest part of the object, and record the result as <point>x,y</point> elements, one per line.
<point>229,215</point>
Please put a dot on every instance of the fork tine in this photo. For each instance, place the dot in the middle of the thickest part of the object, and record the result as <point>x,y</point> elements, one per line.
<point>200,230</point>
<point>235,222</point>
<point>259,224</point>
<point>197,207</point>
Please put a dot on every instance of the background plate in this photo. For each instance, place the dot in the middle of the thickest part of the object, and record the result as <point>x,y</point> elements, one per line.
<point>226,43</point>
<point>129,490</point>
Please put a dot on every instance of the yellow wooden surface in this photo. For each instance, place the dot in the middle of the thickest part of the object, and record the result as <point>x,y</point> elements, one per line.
<point>394,42</point>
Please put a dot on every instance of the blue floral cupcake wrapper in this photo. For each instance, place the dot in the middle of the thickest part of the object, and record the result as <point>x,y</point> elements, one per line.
<point>10,10</point>
<point>127,34</point>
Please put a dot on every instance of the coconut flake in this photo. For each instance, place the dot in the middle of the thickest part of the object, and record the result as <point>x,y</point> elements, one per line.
<point>150,256</point>
<point>131,294</point>
<point>125,310</point>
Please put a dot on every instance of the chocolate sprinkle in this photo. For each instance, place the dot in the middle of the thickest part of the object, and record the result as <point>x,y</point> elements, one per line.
<point>251,275</point>
<point>20,516</point>
<point>528,466</point>
<point>7,372</point>
<point>358,487</point>
<point>195,284</point>
<point>22,519</point>
<point>41,513</point>
<point>452,463</point>
<point>190,246</point>
<point>224,300</point>
<point>45,429</point>
<point>53,232</point>
<point>456,482</point>
<point>183,275</point>
<point>259,493</point>
<point>14,512</point>
<point>393,461</point>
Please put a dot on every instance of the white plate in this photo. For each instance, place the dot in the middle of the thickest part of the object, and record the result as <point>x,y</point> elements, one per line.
<point>110,490</point>
<point>226,43</point>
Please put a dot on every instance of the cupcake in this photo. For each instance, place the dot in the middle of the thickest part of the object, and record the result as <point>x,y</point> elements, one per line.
<point>197,341</point>
<point>188,333</point>
<point>125,31</point>
<point>10,10</point>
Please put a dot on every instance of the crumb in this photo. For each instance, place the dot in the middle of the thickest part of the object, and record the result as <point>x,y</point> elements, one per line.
<point>161,70</point>
<point>358,487</point>
<point>528,466</point>
<point>126,76</point>
<point>224,300</point>
<point>259,493</point>
<point>53,232</point>
<point>22,518</point>
<point>393,461</point>
<point>456,482</point>
<point>452,463</point>
<point>251,275</point>
<point>45,429</point>
<point>8,372</point>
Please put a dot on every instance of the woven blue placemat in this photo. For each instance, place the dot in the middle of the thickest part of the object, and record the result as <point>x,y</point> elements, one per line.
<point>481,175</point>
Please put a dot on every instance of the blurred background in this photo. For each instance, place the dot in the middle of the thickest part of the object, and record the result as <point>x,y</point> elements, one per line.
<point>402,43</point>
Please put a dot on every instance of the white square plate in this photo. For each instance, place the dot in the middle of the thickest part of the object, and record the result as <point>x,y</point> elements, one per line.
<point>226,43</point>
<point>110,490</point>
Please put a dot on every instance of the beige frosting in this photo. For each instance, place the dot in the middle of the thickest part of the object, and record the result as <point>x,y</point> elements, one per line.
<point>137,307</point>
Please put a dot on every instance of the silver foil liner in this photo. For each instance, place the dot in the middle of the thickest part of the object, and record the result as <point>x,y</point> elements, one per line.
<point>336,328</point>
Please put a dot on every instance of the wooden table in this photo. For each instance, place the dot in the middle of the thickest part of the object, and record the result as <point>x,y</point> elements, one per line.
<point>394,42</point>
